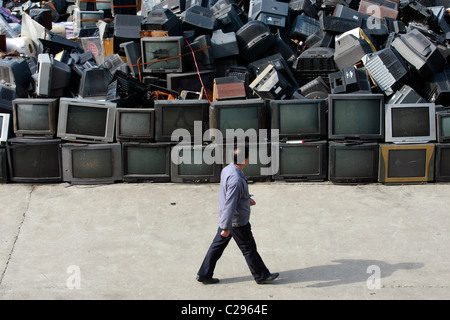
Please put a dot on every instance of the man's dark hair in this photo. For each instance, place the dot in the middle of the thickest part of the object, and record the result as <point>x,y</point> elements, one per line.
<point>240,153</point>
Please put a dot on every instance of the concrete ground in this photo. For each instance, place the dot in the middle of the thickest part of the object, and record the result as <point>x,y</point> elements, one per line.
<point>146,241</point>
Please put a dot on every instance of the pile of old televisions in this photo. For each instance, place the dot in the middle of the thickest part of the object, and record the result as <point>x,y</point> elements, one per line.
<point>348,91</point>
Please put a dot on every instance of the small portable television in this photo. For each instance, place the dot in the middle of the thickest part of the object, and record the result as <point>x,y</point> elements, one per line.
<point>162,54</point>
<point>35,118</point>
<point>135,124</point>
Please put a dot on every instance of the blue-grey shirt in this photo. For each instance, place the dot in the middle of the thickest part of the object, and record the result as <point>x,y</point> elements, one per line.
<point>234,199</point>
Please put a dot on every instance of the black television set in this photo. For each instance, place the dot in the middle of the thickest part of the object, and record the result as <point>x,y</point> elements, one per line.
<point>239,116</point>
<point>260,161</point>
<point>53,76</point>
<point>5,121</point>
<point>443,126</point>
<point>299,118</point>
<point>406,163</point>
<point>35,118</point>
<point>171,115</point>
<point>302,161</point>
<point>86,120</point>
<point>162,54</point>
<point>3,166</point>
<point>356,116</point>
<point>273,13</point>
<point>34,161</point>
<point>442,162</point>
<point>94,83</point>
<point>189,164</point>
<point>146,162</point>
<point>135,124</point>
<point>353,163</point>
<point>410,122</point>
<point>91,163</point>
<point>190,81</point>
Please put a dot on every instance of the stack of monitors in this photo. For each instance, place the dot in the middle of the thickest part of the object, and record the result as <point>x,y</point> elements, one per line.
<point>355,128</point>
<point>302,129</point>
<point>34,154</point>
<point>408,156</point>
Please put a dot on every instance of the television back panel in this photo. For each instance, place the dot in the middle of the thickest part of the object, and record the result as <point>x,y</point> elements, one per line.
<point>272,13</point>
<point>406,163</point>
<point>437,90</point>
<point>405,94</point>
<point>146,162</point>
<point>254,39</point>
<point>35,161</point>
<point>353,163</point>
<point>420,53</point>
<point>442,167</point>
<point>92,163</point>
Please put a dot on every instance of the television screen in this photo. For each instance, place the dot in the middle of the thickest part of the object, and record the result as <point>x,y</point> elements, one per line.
<point>162,54</point>
<point>171,115</point>
<point>259,158</point>
<point>3,166</point>
<point>4,127</point>
<point>404,163</point>
<point>86,120</point>
<point>443,126</point>
<point>188,165</point>
<point>299,118</point>
<point>356,116</point>
<point>190,81</point>
<point>442,173</point>
<point>35,117</point>
<point>146,162</point>
<point>135,124</point>
<point>237,114</point>
<point>353,163</point>
<point>33,160</point>
<point>410,122</point>
<point>92,163</point>
<point>299,161</point>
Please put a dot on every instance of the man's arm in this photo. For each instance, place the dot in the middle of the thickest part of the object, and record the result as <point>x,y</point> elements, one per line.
<point>229,207</point>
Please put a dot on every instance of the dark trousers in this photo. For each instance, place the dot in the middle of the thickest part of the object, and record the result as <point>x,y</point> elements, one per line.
<point>245,241</point>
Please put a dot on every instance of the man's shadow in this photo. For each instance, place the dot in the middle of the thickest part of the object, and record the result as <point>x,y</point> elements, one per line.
<point>343,271</point>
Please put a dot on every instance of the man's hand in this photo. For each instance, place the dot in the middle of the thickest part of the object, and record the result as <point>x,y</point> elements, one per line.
<point>225,233</point>
<point>252,202</point>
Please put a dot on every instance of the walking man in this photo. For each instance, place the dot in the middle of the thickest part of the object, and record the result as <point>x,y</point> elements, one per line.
<point>234,216</point>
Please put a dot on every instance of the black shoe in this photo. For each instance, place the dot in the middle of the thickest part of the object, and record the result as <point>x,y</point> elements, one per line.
<point>270,278</point>
<point>207,280</point>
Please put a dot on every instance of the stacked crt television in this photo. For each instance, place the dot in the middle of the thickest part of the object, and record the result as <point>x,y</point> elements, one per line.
<point>408,156</point>
<point>302,151</point>
<point>90,154</point>
<point>442,169</point>
<point>355,128</point>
